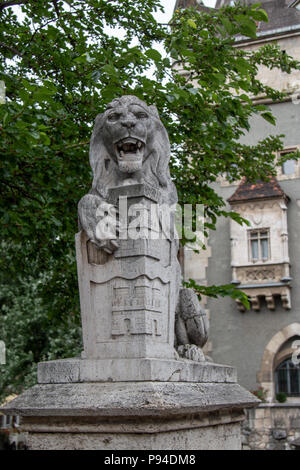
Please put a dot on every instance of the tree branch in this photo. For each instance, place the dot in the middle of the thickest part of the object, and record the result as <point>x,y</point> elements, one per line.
<point>12,3</point>
<point>20,54</point>
<point>38,29</point>
<point>19,189</point>
<point>67,147</point>
<point>56,8</point>
<point>10,48</point>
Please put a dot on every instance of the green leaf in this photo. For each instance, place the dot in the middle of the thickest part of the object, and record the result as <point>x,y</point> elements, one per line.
<point>29,86</point>
<point>242,65</point>
<point>170,98</point>
<point>24,95</point>
<point>110,70</point>
<point>45,138</point>
<point>238,218</point>
<point>247,26</point>
<point>84,58</point>
<point>269,117</point>
<point>260,15</point>
<point>4,120</point>
<point>220,291</point>
<point>191,23</point>
<point>193,91</point>
<point>261,107</point>
<point>153,54</point>
<point>246,98</point>
<point>34,134</point>
<point>227,25</point>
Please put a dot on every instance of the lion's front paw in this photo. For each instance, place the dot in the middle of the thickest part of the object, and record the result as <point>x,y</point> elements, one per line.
<point>191,352</point>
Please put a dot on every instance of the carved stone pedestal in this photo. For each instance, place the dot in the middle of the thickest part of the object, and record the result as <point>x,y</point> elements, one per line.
<point>135,415</point>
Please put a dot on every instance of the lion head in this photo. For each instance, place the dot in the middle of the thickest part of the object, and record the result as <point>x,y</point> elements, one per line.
<point>129,144</point>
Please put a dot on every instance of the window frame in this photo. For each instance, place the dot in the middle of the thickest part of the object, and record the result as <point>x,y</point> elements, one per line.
<point>287,362</point>
<point>259,239</point>
<point>285,152</point>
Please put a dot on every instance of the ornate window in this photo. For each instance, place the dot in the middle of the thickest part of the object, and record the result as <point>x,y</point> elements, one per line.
<point>259,245</point>
<point>287,378</point>
<point>259,255</point>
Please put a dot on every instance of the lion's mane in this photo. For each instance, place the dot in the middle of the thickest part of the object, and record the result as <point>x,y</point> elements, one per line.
<point>155,168</point>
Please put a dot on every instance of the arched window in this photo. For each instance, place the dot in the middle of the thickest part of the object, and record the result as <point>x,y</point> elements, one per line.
<point>287,377</point>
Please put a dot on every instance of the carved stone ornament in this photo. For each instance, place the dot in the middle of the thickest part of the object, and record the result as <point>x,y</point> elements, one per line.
<point>266,281</point>
<point>132,300</point>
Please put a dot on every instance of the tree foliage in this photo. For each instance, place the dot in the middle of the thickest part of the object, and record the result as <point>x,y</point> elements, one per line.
<point>62,62</point>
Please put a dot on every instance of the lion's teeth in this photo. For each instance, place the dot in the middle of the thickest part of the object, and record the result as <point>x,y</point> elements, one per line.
<point>122,153</point>
<point>139,145</point>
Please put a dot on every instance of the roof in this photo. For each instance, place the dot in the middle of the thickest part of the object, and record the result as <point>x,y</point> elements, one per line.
<point>259,190</point>
<point>191,3</point>
<point>282,14</point>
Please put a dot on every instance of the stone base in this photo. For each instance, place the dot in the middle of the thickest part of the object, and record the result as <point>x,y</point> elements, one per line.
<point>222,433</point>
<point>133,370</point>
<point>133,415</point>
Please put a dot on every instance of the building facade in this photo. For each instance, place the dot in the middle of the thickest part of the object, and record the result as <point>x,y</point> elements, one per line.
<point>262,259</point>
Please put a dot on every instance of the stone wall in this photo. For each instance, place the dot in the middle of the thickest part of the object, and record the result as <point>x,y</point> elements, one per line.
<point>10,436</point>
<point>280,80</point>
<point>271,427</point>
<point>240,339</point>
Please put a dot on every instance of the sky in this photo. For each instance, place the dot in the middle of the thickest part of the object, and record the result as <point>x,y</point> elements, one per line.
<point>169,7</point>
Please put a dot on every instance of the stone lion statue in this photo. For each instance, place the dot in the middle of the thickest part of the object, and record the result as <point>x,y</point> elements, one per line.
<point>129,145</point>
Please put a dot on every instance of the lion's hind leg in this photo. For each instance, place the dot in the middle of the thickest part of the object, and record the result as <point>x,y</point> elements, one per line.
<point>191,327</point>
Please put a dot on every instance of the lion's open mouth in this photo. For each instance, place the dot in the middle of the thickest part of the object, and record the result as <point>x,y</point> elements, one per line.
<point>131,149</point>
<point>130,154</point>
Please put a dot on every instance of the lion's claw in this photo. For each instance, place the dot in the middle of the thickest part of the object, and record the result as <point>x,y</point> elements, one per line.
<point>191,352</point>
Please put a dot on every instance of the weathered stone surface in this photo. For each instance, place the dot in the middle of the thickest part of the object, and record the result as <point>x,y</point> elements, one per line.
<point>128,303</point>
<point>271,426</point>
<point>124,370</point>
<point>215,437</point>
<point>123,416</point>
<point>129,399</point>
<point>279,434</point>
